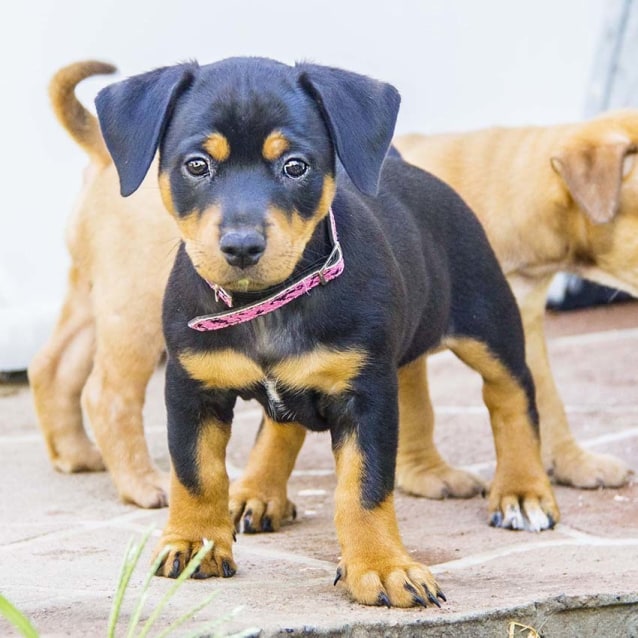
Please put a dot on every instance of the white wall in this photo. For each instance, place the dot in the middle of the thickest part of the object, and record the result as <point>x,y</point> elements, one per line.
<point>458,64</point>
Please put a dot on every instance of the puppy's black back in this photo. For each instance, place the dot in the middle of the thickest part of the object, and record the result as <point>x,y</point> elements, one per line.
<point>442,278</point>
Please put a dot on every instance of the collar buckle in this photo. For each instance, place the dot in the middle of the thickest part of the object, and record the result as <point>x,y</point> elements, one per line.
<point>222,295</point>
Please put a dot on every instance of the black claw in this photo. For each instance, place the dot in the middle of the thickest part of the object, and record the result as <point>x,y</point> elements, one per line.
<point>234,535</point>
<point>175,569</point>
<point>419,601</point>
<point>248,528</point>
<point>383,600</point>
<point>294,513</point>
<point>198,574</point>
<point>552,522</point>
<point>227,570</point>
<point>496,520</point>
<point>432,599</point>
<point>338,575</point>
<point>441,596</point>
<point>266,524</point>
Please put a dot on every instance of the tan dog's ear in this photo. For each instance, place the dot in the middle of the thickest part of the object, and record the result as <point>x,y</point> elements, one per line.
<point>593,174</point>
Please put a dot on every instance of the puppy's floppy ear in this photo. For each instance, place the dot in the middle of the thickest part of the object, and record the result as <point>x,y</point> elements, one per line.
<point>133,114</point>
<point>360,113</point>
<point>593,173</point>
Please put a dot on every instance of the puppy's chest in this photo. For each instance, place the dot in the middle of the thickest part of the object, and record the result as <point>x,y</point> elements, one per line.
<point>279,366</point>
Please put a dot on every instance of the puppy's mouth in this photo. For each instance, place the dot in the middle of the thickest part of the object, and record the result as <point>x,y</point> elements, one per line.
<point>246,280</point>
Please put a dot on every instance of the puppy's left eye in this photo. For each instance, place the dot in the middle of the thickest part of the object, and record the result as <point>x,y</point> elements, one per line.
<point>197,167</point>
<point>295,168</point>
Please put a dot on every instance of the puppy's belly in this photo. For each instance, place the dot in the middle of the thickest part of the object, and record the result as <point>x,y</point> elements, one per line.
<point>306,407</point>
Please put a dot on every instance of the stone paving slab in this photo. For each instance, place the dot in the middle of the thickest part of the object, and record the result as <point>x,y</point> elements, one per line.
<point>62,538</point>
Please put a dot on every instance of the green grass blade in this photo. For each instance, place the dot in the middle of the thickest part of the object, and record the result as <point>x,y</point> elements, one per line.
<point>131,558</point>
<point>17,618</point>
<point>193,564</point>
<point>188,615</point>
<point>251,632</point>
<point>137,612</point>
<point>119,592</point>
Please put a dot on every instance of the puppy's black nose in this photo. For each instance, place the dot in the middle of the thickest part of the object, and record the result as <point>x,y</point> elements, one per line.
<point>242,248</point>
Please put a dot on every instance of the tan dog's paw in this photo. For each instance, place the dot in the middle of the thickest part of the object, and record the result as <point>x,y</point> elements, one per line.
<point>217,562</point>
<point>254,510</point>
<point>79,456</point>
<point>443,481</point>
<point>398,583</point>
<point>148,490</point>
<point>532,507</point>
<point>580,468</point>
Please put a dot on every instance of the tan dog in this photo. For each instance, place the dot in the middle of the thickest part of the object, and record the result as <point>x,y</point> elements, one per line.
<point>108,338</point>
<point>558,198</point>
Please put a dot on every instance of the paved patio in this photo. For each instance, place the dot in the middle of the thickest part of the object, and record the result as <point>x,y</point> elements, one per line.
<point>62,538</point>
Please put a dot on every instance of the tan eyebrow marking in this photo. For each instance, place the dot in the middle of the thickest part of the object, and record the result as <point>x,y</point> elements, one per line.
<point>217,147</point>
<point>274,146</point>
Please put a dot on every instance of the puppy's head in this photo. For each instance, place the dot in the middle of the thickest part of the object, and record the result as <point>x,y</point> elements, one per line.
<point>247,150</point>
<point>596,162</point>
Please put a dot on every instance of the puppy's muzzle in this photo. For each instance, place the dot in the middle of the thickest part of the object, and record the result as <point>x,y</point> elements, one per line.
<point>242,247</point>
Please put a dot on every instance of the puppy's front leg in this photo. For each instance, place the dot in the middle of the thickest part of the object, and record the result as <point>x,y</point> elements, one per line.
<point>375,566</point>
<point>198,433</point>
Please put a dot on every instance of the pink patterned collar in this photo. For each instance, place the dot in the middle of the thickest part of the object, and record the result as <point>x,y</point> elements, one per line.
<point>332,268</point>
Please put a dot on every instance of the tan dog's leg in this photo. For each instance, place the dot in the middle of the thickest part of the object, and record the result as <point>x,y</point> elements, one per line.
<point>259,499</point>
<point>420,468</point>
<point>127,352</point>
<point>563,457</point>
<point>57,375</point>
<point>520,496</point>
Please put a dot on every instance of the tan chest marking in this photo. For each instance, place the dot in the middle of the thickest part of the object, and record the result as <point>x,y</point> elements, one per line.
<point>323,369</point>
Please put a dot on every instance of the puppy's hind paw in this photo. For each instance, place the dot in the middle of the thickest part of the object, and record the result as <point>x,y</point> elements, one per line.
<point>525,514</point>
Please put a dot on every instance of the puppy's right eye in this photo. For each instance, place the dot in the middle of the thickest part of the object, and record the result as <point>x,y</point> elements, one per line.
<point>197,167</point>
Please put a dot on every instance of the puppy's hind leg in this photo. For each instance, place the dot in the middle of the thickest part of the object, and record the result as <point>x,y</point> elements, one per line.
<point>57,375</point>
<point>520,496</point>
<point>420,469</point>
<point>259,499</point>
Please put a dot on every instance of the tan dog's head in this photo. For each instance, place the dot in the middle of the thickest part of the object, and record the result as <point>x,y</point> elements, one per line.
<point>596,162</point>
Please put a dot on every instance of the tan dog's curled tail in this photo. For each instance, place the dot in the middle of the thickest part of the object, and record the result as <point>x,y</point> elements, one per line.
<point>81,124</point>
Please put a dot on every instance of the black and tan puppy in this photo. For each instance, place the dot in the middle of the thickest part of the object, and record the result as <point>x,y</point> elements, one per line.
<point>251,159</point>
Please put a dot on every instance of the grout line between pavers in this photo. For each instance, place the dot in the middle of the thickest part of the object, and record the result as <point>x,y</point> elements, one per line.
<point>604,336</point>
<point>264,552</point>
<point>576,540</point>
<point>446,409</point>
<point>247,550</point>
<point>78,528</point>
<point>570,409</point>
<point>586,443</point>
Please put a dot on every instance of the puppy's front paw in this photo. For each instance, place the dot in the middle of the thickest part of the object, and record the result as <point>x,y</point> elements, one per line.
<point>391,583</point>
<point>526,504</point>
<point>218,561</point>
<point>255,508</point>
